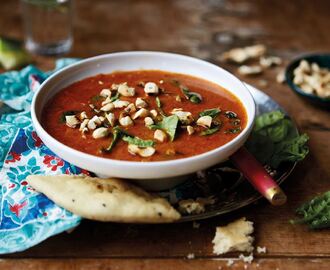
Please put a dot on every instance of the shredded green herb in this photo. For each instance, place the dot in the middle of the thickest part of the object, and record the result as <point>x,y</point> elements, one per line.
<point>96,98</point>
<point>191,96</point>
<point>210,112</point>
<point>233,130</point>
<point>115,97</point>
<point>230,115</point>
<point>117,133</point>
<point>159,106</point>
<point>67,113</point>
<point>169,124</point>
<point>315,213</point>
<point>138,141</point>
<point>209,131</point>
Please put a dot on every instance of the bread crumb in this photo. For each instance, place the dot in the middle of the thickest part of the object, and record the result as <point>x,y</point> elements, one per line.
<point>246,259</point>
<point>261,250</point>
<point>230,262</point>
<point>236,236</point>
<point>191,256</point>
<point>197,206</point>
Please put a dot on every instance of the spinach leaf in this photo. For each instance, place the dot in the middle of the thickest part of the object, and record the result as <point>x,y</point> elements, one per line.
<point>169,124</point>
<point>290,150</point>
<point>275,140</point>
<point>209,131</point>
<point>137,141</point>
<point>210,112</point>
<point>66,113</point>
<point>315,213</point>
<point>268,119</point>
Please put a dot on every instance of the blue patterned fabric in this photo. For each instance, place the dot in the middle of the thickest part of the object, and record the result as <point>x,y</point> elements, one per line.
<point>26,216</point>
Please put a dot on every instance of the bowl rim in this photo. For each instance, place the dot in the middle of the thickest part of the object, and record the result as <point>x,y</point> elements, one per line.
<point>289,75</point>
<point>132,164</point>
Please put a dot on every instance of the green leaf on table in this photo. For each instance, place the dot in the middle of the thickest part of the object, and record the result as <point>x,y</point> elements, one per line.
<point>12,54</point>
<point>168,124</point>
<point>138,141</point>
<point>315,213</point>
<point>210,112</point>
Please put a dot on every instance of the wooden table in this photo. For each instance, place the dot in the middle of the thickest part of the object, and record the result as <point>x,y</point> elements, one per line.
<point>202,29</point>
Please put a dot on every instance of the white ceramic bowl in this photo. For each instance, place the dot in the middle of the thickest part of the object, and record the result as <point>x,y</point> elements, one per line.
<point>154,175</point>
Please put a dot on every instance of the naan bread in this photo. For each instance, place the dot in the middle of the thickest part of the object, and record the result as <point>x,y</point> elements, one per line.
<point>104,199</point>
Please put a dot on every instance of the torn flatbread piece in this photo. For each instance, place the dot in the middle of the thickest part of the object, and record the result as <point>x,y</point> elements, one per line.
<point>104,199</point>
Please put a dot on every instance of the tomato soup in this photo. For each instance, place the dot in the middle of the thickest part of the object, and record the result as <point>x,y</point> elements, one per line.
<point>146,115</point>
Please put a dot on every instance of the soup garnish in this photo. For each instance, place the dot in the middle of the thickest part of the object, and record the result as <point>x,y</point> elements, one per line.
<point>144,115</point>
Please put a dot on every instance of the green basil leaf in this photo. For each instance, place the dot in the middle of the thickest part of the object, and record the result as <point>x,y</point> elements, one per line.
<point>137,141</point>
<point>96,98</point>
<point>209,131</point>
<point>158,103</point>
<point>66,113</point>
<point>115,97</point>
<point>233,130</point>
<point>169,124</point>
<point>210,112</point>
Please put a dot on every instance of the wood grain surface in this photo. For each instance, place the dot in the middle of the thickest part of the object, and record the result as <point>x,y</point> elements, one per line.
<point>204,29</point>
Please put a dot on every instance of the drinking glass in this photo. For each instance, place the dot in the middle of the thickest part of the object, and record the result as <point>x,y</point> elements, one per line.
<point>48,26</point>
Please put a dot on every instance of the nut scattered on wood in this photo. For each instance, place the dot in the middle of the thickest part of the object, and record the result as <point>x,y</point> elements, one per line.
<point>241,55</point>
<point>249,70</point>
<point>269,61</point>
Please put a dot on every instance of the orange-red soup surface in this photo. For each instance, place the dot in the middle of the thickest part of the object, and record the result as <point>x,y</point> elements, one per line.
<point>80,95</point>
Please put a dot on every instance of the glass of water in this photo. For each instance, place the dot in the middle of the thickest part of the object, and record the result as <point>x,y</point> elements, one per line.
<point>48,26</point>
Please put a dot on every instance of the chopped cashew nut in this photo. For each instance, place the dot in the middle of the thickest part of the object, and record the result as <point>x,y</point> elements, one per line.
<point>190,130</point>
<point>185,117</point>
<point>153,113</point>
<point>120,103</point>
<point>143,152</point>
<point>83,124</point>
<point>240,55</point>
<point>160,135</point>
<point>125,90</point>
<point>270,61</point>
<point>100,133</point>
<point>141,113</point>
<point>204,121</point>
<point>130,108</point>
<point>140,103</point>
<point>106,101</point>
<point>111,118</point>
<point>108,107</point>
<point>71,121</point>
<point>91,125</point>
<point>96,120</point>
<point>126,121</point>
<point>148,121</point>
<point>83,115</point>
<point>151,88</point>
<point>249,70</point>
<point>105,93</point>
